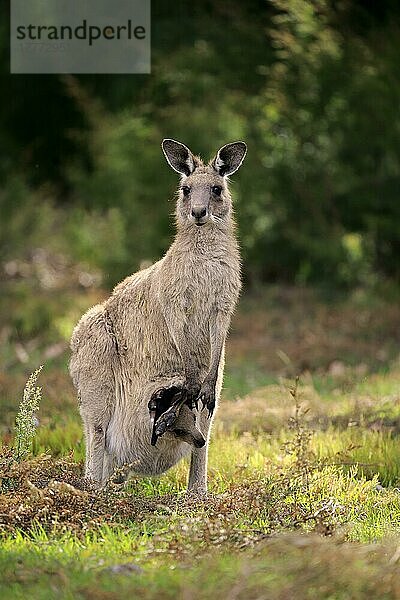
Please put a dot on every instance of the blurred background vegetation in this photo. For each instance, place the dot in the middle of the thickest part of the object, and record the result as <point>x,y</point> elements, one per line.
<point>312,86</point>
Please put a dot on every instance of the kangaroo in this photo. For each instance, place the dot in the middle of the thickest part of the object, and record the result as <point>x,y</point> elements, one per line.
<point>165,325</point>
<point>184,427</point>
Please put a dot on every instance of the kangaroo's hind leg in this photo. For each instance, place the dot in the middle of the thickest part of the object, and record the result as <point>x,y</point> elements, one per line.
<point>197,484</point>
<point>96,410</point>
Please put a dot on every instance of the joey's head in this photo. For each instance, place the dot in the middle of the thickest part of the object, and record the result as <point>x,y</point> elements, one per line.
<point>185,428</point>
<point>203,195</point>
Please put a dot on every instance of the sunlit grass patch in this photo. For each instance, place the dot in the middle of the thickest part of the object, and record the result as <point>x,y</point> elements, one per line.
<point>261,484</point>
<point>61,438</point>
<point>309,462</point>
<point>372,452</point>
<point>290,566</point>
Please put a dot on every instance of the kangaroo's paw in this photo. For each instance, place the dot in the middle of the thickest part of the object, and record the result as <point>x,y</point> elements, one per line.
<point>207,397</point>
<point>211,408</point>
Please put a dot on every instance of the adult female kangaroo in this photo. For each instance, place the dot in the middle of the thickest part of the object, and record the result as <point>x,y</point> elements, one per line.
<point>163,326</point>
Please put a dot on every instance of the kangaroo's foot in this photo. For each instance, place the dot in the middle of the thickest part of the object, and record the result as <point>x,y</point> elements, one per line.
<point>166,420</point>
<point>164,406</point>
<point>177,417</point>
<point>197,494</point>
<point>169,417</point>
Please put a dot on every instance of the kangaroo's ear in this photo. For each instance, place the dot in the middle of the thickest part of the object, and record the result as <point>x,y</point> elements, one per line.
<point>179,157</point>
<point>229,158</point>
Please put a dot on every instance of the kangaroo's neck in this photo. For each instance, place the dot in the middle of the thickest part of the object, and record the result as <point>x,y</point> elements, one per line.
<point>207,240</point>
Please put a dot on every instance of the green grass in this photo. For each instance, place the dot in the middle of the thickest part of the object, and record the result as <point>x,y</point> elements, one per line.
<point>288,567</point>
<point>308,508</point>
<point>197,551</point>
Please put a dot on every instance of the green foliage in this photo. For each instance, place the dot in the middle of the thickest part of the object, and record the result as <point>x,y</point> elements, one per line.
<point>26,218</point>
<point>313,87</point>
<point>25,426</point>
<point>327,121</point>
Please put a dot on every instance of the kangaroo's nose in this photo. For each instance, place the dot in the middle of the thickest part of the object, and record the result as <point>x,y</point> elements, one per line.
<point>198,212</point>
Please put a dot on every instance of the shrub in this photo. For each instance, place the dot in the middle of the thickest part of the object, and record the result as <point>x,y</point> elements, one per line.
<point>25,421</point>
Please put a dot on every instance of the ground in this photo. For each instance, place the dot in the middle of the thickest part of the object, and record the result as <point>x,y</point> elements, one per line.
<point>303,473</point>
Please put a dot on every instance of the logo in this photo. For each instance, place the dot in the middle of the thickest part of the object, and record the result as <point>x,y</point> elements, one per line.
<point>75,36</point>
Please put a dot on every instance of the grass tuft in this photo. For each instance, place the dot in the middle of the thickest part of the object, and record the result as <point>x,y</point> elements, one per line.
<point>25,421</point>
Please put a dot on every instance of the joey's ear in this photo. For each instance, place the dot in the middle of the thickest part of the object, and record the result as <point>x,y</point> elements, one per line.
<point>179,157</point>
<point>229,158</point>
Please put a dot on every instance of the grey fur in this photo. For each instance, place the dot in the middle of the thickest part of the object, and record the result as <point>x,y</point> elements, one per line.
<point>163,325</point>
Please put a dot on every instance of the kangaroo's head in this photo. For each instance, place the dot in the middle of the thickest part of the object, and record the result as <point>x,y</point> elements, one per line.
<point>204,198</point>
<point>185,428</point>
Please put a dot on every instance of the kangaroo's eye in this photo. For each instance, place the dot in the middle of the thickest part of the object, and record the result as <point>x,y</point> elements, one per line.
<point>179,431</point>
<point>216,189</point>
<point>185,190</point>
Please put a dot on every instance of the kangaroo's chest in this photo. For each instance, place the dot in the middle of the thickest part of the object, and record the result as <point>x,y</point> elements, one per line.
<point>207,288</point>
